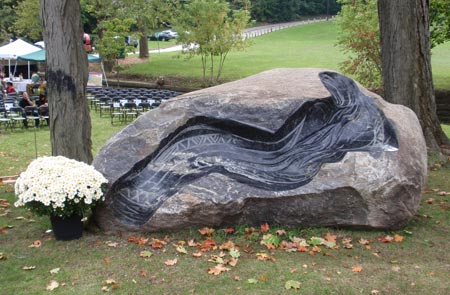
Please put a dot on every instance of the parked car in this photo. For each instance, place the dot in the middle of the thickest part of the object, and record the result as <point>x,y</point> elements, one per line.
<point>131,41</point>
<point>163,36</point>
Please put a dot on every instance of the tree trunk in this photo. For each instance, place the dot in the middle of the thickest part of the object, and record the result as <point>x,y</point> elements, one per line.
<point>67,74</point>
<point>406,64</point>
<point>143,43</point>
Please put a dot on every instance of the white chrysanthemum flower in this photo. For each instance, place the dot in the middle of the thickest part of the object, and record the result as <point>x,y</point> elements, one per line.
<point>51,181</point>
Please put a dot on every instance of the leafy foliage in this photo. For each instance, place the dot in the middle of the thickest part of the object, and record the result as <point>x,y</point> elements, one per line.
<point>439,21</point>
<point>211,29</point>
<point>360,38</point>
<point>28,23</point>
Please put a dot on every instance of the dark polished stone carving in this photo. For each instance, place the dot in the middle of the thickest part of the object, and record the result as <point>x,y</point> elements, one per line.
<point>320,131</point>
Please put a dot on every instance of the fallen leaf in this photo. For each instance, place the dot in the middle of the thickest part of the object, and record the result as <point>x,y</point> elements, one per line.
<point>55,270</point>
<point>294,270</point>
<point>105,289</point>
<point>143,273</point>
<point>229,230</point>
<point>291,284</point>
<point>330,237</point>
<point>2,257</point>
<point>157,244</point>
<point>180,249</point>
<point>263,278</point>
<point>265,257</point>
<point>252,281</point>
<point>206,231</point>
<point>264,227</point>
<point>396,268</point>
<point>356,268</point>
<point>197,254</point>
<point>218,269</point>
<point>146,254</point>
<point>363,241</point>
<point>208,245</point>
<point>227,246</point>
<point>19,218</point>
<point>36,244</point>
<point>430,200</point>
<point>374,292</point>
<point>112,244</point>
<point>138,240</point>
<point>232,261</point>
<point>302,249</point>
<point>235,253</point>
<point>31,267</point>
<point>110,281</point>
<point>192,243</point>
<point>52,285</point>
<point>398,238</point>
<point>107,260</point>
<point>280,232</point>
<point>171,262</point>
<point>386,239</point>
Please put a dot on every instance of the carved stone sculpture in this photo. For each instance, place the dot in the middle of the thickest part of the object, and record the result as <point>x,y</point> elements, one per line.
<point>248,153</point>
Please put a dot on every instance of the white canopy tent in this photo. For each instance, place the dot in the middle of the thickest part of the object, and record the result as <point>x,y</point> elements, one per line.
<point>17,48</point>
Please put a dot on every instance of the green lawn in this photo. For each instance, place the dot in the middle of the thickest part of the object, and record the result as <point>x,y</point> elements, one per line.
<point>311,45</point>
<point>417,263</point>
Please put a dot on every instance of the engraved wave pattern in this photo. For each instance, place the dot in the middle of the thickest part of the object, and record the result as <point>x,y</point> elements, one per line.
<point>320,131</point>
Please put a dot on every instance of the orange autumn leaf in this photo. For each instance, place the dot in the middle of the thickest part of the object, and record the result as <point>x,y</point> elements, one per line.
<point>208,245</point>
<point>171,262</point>
<point>218,269</point>
<point>227,245</point>
<point>398,238</point>
<point>36,244</point>
<point>157,244</point>
<point>386,239</point>
<point>206,231</point>
<point>330,237</point>
<point>143,273</point>
<point>265,227</point>
<point>229,230</point>
<point>138,240</point>
<point>301,249</point>
<point>356,268</point>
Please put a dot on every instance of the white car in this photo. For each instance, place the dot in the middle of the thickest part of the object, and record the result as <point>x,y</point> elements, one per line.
<point>171,33</point>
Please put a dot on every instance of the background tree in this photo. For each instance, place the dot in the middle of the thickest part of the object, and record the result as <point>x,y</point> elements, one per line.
<point>211,29</point>
<point>439,21</point>
<point>359,37</point>
<point>111,45</point>
<point>406,63</point>
<point>27,21</point>
<point>67,74</point>
<point>7,18</point>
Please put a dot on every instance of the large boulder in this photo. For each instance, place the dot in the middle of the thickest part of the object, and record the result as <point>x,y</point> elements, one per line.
<point>294,147</point>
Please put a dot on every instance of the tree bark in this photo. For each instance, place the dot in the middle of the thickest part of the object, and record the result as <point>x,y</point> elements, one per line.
<point>406,63</point>
<point>67,74</point>
<point>143,43</point>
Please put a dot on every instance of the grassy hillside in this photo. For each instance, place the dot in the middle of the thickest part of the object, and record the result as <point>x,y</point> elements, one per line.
<point>311,45</point>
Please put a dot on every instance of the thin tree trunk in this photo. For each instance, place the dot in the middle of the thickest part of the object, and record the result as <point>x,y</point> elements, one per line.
<point>406,66</point>
<point>67,73</point>
<point>143,43</point>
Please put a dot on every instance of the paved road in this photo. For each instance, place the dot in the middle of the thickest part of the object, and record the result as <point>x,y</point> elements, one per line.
<point>253,32</point>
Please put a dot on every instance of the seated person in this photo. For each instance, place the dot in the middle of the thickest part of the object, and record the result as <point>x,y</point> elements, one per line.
<point>42,100</point>
<point>10,88</point>
<point>25,102</point>
<point>35,80</point>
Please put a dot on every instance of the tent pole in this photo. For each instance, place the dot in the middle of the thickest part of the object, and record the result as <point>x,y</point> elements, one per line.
<point>104,74</point>
<point>28,70</point>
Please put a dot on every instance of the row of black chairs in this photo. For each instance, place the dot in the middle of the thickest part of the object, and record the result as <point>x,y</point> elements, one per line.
<point>125,104</point>
<point>13,116</point>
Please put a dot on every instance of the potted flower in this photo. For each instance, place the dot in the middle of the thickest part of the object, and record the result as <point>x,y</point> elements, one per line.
<point>64,189</point>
